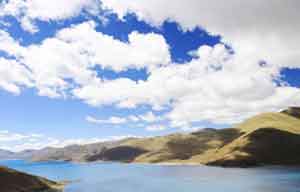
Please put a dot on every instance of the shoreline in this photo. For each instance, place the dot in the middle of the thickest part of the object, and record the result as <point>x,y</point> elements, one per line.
<point>155,164</point>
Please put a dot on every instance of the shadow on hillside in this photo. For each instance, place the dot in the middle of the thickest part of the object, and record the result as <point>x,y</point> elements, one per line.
<point>121,153</point>
<point>273,146</point>
<point>185,147</point>
<point>267,146</point>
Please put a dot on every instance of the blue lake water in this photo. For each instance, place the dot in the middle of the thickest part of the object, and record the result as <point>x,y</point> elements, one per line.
<point>116,177</point>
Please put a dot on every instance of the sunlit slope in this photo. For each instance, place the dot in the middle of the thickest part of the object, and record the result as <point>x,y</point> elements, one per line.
<point>268,139</point>
<point>265,139</point>
<point>181,148</point>
<point>280,121</point>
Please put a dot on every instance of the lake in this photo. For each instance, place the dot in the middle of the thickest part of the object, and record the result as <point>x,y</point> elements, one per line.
<point>117,177</point>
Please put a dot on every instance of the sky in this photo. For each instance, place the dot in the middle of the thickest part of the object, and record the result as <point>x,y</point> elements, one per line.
<point>84,71</point>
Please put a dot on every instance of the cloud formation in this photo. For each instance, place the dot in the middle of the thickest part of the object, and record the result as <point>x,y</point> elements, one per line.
<point>219,85</point>
<point>148,118</point>
<point>263,29</point>
<point>74,53</point>
<point>29,11</point>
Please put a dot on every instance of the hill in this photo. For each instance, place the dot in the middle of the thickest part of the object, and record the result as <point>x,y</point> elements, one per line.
<point>14,181</point>
<point>265,139</point>
<point>172,148</point>
<point>268,139</point>
<point>77,153</point>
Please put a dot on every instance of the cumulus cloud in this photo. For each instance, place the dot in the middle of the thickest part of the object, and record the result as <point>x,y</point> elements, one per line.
<point>271,33</point>
<point>13,76</point>
<point>28,11</point>
<point>240,87</point>
<point>140,51</point>
<point>218,85</point>
<point>74,52</point>
<point>150,117</point>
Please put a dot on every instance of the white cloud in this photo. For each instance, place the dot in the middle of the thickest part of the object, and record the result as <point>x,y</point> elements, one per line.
<point>141,51</point>
<point>150,117</point>
<point>9,45</point>
<point>27,11</point>
<point>74,52</point>
<point>111,120</point>
<point>13,75</point>
<point>271,33</point>
<point>155,128</point>
<point>217,86</point>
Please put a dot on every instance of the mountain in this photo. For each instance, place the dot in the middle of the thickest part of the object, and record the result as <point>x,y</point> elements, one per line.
<point>26,154</point>
<point>4,154</point>
<point>14,181</point>
<point>76,153</point>
<point>265,139</point>
<point>177,147</point>
<point>268,139</point>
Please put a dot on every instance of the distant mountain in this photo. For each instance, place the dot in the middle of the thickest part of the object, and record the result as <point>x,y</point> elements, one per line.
<point>73,152</point>
<point>265,139</point>
<point>14,181</point>
<point>27,154</point>
<point>152,150</point>
<point>4,154</point>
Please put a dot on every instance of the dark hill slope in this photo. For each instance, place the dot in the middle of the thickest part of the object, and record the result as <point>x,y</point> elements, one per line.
<point>14,181</point>
<point>268,139</point>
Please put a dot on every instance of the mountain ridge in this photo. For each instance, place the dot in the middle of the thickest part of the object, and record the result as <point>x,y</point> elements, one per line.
<point>249,143</point>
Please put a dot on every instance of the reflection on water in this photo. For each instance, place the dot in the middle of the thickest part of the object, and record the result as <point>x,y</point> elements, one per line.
<point>114,177</point>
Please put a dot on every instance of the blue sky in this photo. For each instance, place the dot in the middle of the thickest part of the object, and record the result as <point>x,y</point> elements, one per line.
<point>134,74</point>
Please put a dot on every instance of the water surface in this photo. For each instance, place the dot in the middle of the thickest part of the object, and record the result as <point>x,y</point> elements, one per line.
<point>116,177</point>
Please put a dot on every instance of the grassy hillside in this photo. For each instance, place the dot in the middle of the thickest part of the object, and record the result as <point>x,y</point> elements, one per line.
<point>171,148</point>
<point>269,138</point>
<point>14,181</point>
<point>282,121</point>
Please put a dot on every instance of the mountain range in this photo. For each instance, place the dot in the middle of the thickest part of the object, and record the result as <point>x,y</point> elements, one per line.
<point>265,139</point>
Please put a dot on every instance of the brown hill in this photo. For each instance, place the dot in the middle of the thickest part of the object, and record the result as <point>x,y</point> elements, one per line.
<point>268,139</point>
<point>14,181</point>
<point>265,139</point>
<point>171,148</point>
